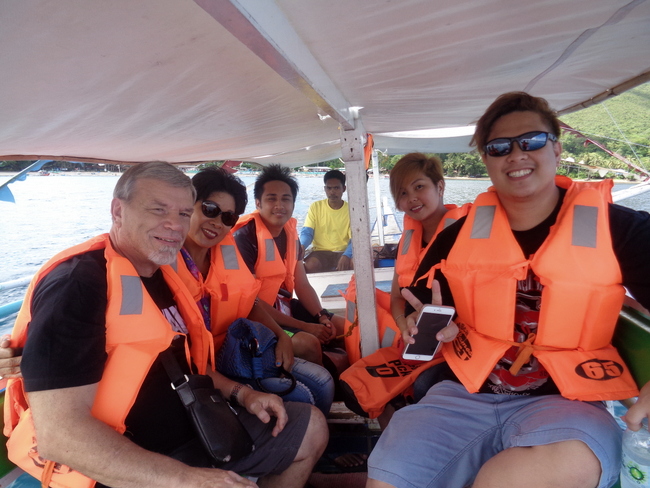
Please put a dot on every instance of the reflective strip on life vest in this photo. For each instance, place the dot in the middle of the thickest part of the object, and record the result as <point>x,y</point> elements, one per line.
<point>585,219</point>
<point>131,295</point>
<point>269,250</point>
<point>389,337</point>
<point>229,256</point>
<point>584,224</point>
<point>483,222</point>
<point>350,310</point>
<point>448,222</point>
<point>408,235</point>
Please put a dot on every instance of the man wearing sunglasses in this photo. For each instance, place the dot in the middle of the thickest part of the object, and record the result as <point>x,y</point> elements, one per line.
<point>268,242</point>
<point>536,272</point>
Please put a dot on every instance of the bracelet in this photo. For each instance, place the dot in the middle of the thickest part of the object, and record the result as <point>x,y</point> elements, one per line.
<point>235,391</point>
<point>398,317</point>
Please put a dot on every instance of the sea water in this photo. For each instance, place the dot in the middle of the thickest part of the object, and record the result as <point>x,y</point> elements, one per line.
<point>54,212</point>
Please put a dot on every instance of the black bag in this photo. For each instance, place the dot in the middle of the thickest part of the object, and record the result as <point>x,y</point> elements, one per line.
<point>216,423</point>
<point>248,353</point>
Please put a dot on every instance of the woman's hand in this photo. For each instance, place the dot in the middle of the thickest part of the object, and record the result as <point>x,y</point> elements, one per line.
<point>447,334</point>
<point>284,351</point>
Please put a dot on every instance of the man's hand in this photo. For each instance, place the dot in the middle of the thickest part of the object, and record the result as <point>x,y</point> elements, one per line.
<point>330,327</point>
<point>218,478</point>
<point>323,332</point>
<point>640,410</point>
<point>9,359</point>
<point>284,352</point>
<point>263,406</point>
<point>344,263</point>
<point>447,334</point>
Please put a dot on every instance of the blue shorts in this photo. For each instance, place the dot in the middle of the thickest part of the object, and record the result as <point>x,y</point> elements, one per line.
<point>445,438</point>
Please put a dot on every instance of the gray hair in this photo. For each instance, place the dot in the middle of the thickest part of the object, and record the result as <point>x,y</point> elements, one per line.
<point>155,170</point>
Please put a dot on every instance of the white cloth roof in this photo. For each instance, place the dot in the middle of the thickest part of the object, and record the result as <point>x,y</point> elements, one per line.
<point>125,80</point>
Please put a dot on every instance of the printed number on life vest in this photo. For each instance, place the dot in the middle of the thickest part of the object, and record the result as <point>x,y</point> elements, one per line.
<point>599,369</point>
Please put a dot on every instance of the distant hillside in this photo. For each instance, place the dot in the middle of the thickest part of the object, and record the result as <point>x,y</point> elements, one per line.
<point>626,116</point>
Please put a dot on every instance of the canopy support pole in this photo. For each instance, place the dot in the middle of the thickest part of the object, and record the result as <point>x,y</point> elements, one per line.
<point>352,142</point>
<point>379,207</point>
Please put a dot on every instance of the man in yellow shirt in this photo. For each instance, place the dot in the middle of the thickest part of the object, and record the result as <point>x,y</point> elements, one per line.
<point>327,228</point>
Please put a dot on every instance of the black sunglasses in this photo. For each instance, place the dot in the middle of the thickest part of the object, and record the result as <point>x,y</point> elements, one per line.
<point>212,210</point>
<point>530,141</point>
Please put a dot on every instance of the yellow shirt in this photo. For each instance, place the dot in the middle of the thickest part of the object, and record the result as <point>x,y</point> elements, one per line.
<point>331,227</point>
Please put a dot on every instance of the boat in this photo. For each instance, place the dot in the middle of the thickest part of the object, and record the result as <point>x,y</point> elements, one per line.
<point>298,83</point>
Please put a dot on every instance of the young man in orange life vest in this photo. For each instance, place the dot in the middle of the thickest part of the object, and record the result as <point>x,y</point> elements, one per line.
<point>536,273</point>
<point>268,242</point>
<point>103,409</point>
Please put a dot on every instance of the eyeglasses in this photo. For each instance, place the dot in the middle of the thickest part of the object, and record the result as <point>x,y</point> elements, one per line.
<point>212,210</point>
<point>530,141</point>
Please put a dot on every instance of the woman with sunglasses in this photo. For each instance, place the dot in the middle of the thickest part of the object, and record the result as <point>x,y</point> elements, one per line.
<point>212,268</point>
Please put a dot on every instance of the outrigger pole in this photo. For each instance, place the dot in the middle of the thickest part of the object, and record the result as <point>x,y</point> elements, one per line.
<point>5,192</point>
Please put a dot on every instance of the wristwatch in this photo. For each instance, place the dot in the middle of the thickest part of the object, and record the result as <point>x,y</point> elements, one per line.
<point>323,313</point>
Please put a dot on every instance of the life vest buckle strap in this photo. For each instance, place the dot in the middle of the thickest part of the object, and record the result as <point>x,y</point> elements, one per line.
<point>523,354</point>
<point>48,471</point>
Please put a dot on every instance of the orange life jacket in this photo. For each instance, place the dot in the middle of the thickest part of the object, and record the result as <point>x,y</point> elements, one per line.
<point>376,379</point>
<point>229,284</point>
<point>136,332</point>
<point>409,255</point>
<point>410,251</point>
<point>389,334</point>
<point>581,298</point>
<point>270,269</point>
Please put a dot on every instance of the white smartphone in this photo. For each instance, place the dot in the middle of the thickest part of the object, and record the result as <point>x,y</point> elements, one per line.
<point>432,319</point>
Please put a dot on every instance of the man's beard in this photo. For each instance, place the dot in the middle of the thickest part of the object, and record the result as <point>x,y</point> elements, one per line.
<point>164,255</point>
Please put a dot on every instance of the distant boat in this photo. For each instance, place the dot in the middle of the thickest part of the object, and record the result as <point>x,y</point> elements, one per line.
<point>44,173</point>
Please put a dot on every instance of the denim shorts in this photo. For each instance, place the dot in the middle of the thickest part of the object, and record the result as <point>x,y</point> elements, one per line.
<point>445,438</point>
<point>314,384</point>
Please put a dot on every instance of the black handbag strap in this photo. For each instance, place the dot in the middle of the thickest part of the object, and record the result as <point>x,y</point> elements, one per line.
<point>258,370</point>
<point>289,389</point>
<point>180,381</point>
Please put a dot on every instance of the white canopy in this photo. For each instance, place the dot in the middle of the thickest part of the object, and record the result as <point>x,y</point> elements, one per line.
<point>272,80</point>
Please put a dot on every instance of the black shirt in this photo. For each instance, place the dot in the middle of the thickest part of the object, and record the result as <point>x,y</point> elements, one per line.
<point>66,347</point>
